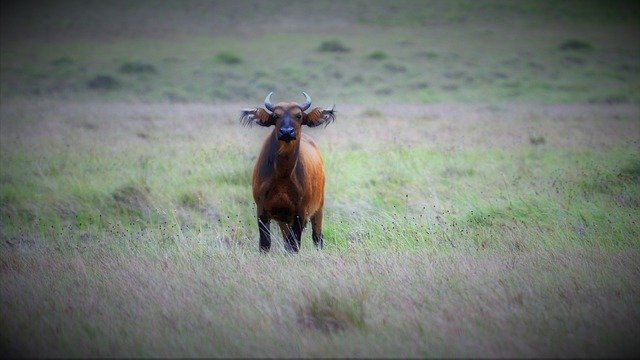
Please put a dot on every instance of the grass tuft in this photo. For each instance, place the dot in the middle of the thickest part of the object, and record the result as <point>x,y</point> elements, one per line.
<point>378,55</point>
<point>133,200</point>
<point>331,312</point>
<point>228,58</point>
<point>575,45</point>
<point>372,113</point>
<point>136,67</point>
<point>631,172</point>
<point>103,82</point>
<point>193,199</point>
<point>536,140</point>
<point>335,46</point>
<point>62,61</point>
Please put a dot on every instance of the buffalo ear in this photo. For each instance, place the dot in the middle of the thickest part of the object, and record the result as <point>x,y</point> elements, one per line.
<point>319,116</point>
<point>258,116</point>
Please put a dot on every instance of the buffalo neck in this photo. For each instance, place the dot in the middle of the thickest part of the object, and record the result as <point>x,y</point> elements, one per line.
<point>286,156</point>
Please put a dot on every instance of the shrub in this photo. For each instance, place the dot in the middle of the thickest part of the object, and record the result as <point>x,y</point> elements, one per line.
<point>333,46</point>
<point>103,82</point>
<point>137,68</point>
<point>62,61</point>
<point>395,68</point>
<point>575,45</point>
<point>378,55</point>
<point>228,58</point>
<point>536,140</point>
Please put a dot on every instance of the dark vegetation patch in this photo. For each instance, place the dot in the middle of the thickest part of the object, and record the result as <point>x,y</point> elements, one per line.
<point>228,58</point>
<point>430,55</point>
<point>330,312</point>
<point>536,139</point>
<point>573,60</point>
<point>103,82</point>
<point>575,45</point>
<point>420,85</point>
<point>192,199</point>
<point>630,173</point>
<point>450,87</point>
<point>458,172</point>
<point>612,183</point>
<point>89,126</point>
<point>136,67</point>
<point>333,46</point>
<point>62,61</point>
<point>372,113</point>
<point>133,200</point>
<point>611,99</point>
<point>526,211</point>
<point>174,97</point>
<point>384,91</point>
<point>378,55</point>
<point>395,68</point>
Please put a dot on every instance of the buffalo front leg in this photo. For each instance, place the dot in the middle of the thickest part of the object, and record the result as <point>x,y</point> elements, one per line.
<point>265,235</point>
<point>293,234</point>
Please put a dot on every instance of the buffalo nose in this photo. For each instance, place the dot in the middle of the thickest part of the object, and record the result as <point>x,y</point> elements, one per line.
<point>287,133</point>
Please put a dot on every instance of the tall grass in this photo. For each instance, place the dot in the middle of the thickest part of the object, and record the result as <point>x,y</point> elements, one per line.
<point>116,244</point>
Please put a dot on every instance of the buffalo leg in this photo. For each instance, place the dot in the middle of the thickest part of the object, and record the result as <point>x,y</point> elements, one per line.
<point>316,228</point>
<point>292,237</point>
<point>286,234</point>
<point>265,236</point>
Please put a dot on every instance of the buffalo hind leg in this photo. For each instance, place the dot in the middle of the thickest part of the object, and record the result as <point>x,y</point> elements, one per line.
<point>316,228</point>
<point>265,236</point>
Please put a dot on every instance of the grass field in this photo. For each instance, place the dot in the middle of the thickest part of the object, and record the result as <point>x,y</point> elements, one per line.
<point>483,179</point>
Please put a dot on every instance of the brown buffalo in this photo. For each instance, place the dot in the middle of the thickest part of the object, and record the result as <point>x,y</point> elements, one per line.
<point>288,178</point>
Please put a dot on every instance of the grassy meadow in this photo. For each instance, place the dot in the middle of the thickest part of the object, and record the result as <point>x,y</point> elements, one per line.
<point>482,196</point>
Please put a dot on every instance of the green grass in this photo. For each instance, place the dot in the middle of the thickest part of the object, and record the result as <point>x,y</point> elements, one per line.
<point>482,196</point>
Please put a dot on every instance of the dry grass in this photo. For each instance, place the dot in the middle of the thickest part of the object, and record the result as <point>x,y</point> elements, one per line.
<point>115,244</point>
<point>361,303</point>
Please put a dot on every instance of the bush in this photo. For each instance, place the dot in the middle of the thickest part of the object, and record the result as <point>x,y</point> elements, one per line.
<point>333,46</point>
<point>103,82</point>
<point>575,45</point>
<point>62,61</point>
<point>137,68</point>
<point>378,55</point>
<point>228,58</point>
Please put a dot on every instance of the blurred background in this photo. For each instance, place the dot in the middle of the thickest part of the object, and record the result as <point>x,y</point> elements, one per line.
<point>338,51</point>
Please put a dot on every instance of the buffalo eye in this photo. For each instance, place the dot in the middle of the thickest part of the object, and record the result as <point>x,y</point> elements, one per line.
<point>299,116</point>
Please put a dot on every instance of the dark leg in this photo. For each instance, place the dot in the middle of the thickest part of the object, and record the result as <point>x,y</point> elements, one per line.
<point>316,227</point>
<point>292,238</point>
<point>318,240</point>
<point>265,236</point>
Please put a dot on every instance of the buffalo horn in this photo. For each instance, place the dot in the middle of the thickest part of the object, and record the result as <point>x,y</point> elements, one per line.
<point>307,102</point>
<point>267,102</point>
